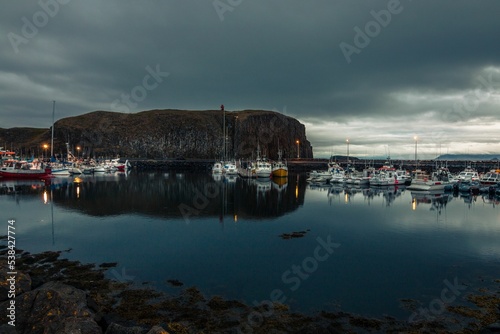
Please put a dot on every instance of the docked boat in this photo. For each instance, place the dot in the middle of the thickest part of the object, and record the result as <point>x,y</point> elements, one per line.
<point>217,168</point>
<point>384,176</point>
<point>74,169</point>
<point>468,174</point>
<point>379,180</point>
<point>279,168</point>
<point>491,177</point>
<point>100,169</point>
<point>261,167</point>
<point>423,182</point>
<point>326,175</point>
<point>338,174</point>
<point>21,170</point>
<point>116,165</point>
<point>59,170</point>
<point>361,178</point>
<point>229,168</point>
<point>389,175</point>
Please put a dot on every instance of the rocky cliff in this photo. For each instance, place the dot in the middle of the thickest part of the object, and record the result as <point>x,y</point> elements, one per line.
<point>171,134</point>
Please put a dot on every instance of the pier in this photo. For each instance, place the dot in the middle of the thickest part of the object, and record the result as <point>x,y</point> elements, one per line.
<point>306,165</point>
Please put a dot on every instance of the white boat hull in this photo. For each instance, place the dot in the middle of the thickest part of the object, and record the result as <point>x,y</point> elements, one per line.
<point>427,186</point>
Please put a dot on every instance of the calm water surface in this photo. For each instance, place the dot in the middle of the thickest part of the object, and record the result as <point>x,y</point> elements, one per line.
<point>223,236</point>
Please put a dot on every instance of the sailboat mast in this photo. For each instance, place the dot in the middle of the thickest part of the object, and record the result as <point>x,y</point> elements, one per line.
<point>52,139</point>
<point>223,132</point>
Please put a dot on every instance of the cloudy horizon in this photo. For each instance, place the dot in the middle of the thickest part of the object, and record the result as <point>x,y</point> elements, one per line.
<point>379,73</point>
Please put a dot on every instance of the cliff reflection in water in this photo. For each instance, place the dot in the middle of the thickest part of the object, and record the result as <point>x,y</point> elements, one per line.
<point>179,195</point>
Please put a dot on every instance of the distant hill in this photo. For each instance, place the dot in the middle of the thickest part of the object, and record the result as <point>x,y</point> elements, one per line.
<point>342,158</point>
<point>167,133</point>
<point>469,157</point>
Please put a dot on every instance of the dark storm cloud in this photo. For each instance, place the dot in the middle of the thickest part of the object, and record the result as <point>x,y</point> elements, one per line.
<point>436,60</point>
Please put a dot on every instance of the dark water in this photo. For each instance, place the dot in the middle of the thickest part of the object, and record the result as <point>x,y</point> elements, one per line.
<point>363,250</point>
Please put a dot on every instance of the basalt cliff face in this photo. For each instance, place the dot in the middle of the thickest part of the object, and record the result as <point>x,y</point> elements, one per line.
<point>159,134</point>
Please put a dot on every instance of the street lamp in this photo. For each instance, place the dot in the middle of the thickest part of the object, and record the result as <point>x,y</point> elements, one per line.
<point>416,161</point>
<point>298,150</point>
<point>45,146</point>
<point>78,150</point>
<point>347,141</point>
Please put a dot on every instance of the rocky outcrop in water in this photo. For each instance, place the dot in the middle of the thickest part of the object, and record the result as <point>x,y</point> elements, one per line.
<point>159,134</point>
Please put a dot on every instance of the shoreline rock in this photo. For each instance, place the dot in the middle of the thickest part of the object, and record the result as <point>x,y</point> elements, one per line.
<point>63,296</point>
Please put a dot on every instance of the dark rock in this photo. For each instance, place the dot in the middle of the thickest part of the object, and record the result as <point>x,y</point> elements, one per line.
<point>22,282</point>
<point>160,134</point>
<point>80,326</point>
<point>8,329</point>
<point>53,308</point>
<point>115,328</point>
<point>157,330</point>
<point>175,282</point>
<point>492,328</point>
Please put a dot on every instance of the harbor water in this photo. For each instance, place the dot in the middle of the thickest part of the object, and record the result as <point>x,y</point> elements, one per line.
<point>358,250</point>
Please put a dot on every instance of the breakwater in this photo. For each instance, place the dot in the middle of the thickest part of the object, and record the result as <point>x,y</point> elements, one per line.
<point>306,165</point>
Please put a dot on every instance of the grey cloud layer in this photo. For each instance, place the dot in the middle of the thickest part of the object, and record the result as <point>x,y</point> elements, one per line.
<point>263,54</point>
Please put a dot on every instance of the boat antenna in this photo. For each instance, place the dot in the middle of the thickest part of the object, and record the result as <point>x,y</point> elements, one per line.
<point>52,139</point>
<point>223,132</point>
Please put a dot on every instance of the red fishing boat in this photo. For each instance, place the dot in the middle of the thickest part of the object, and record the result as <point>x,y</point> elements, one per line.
<point>22,170</point>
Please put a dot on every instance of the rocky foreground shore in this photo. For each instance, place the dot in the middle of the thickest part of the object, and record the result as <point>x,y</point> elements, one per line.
<point>56,295</point>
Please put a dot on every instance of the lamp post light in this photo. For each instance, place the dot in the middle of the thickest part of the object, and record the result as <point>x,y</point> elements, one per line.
<point>45,146</point>
<point>298,149</point>
<point>416,161</point>
<point>78,150</point>
<point>347,141</point>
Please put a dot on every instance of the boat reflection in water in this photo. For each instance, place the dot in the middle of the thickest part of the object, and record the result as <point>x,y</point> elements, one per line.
<point>232,245</point>
<point>436,199</point>
<point>173,195</point>
<point>347,193</point>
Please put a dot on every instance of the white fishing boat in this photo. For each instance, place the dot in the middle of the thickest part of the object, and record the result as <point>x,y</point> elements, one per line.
<point>115,165</point>
<point>59,170</point>
<point>338,174</point>
<point>468,174</point>
<point>100,169</point>
<point>262,167</point>
<point>217,168</point>
<point>229,168</point>
<point>423,182</point>
<point>491,177</point>
<point>388,176</point>
<point>74,169</point>
<point>324,174</point>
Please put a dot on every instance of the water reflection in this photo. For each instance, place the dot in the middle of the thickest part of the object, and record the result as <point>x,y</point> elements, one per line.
<point>366,194</point>
<point>232,246</point>
<point>168,194</point>
<point>436,200</point>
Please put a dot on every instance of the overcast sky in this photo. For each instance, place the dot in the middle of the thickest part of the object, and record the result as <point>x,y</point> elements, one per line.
<point>376,72</point>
